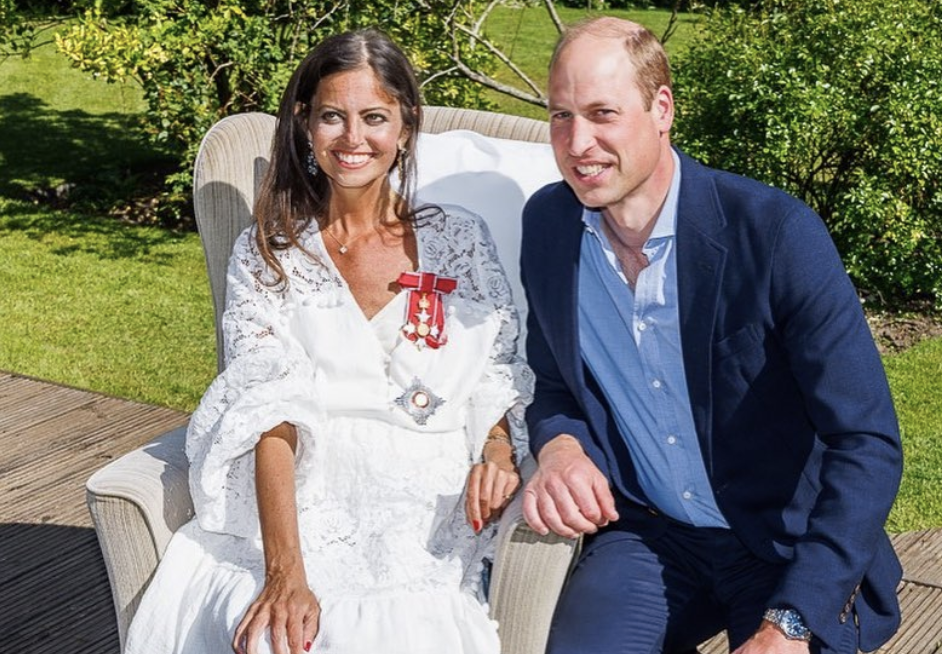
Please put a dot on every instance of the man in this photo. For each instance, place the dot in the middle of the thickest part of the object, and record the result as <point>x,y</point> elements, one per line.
<point>711,412</point>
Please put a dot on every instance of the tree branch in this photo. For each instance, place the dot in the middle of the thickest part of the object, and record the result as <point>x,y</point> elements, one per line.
<point>492,83</point>
<point>671,23</point>
<point>551,8</point>
<point>497,52</point>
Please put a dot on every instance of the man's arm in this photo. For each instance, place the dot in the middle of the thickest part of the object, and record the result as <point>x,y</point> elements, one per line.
<point>568,494</point>
<point>834,360</point>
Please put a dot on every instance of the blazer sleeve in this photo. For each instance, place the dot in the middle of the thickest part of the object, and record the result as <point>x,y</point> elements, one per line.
<point>832,355</point>
<point>555,410</point>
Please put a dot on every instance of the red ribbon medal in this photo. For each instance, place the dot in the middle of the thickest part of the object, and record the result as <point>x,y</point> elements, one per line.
<point>425,314</point>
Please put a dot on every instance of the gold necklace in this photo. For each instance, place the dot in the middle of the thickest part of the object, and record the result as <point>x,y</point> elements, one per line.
<point>342,248</point>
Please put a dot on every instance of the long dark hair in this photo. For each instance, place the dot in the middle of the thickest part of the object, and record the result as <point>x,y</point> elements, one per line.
<point>290,197</point>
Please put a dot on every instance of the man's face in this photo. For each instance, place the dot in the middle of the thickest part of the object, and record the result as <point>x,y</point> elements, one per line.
<point>608,144</point>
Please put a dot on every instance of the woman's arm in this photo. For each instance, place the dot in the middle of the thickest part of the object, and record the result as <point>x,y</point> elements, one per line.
<point>492,483</point>
<point>286,604</point>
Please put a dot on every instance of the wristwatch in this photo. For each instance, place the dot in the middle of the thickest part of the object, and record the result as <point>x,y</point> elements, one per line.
<point>789,622</point>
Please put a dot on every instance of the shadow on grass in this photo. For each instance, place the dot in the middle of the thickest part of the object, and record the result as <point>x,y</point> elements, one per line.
<point>98,156</point>
<point>103,237</point>
<point>41,147</point>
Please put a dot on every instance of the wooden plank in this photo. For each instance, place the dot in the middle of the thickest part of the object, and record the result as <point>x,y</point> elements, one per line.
<point>921,555</point>
<point>921,629</point>
<point>72,431</point>
<point>49,404</point>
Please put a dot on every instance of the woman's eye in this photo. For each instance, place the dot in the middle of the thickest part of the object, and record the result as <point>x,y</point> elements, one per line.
<point>330,117</point>
<point>375,119</point>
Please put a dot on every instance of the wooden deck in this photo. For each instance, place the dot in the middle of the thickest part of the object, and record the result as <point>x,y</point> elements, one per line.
<point>54,592</point>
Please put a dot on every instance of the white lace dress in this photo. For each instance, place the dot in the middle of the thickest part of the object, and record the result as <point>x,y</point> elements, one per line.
<point>386,545</point>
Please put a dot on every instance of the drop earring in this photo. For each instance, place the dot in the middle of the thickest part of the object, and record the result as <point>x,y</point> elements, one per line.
<point>311,161</point>
<point>401,165</point>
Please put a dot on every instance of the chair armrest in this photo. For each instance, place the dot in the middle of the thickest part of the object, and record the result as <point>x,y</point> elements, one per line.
<point>527,578</point>
<point>136,502</point>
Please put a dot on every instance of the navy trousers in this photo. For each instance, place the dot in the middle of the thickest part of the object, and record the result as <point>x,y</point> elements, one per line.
<point>651,585</point>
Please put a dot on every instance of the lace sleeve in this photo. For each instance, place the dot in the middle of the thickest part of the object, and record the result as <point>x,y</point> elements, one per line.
<point>267,381</point>
<point>507,383</point>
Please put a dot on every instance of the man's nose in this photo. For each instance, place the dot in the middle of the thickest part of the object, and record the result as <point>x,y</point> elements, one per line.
<point>581,136</point>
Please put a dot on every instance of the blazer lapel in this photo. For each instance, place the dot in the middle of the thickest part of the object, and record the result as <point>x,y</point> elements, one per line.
<point>701,261</point>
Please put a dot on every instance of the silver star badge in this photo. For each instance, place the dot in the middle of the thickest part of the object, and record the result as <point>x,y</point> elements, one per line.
<point>419,401</point>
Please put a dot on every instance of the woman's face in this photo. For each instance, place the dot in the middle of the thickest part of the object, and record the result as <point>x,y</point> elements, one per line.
<point>355,128</point>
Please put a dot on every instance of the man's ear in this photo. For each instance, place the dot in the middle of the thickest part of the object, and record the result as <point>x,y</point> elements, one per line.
<point>663,108</point>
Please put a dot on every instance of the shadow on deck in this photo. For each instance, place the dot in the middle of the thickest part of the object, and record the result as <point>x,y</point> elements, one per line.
<point>54,592</point>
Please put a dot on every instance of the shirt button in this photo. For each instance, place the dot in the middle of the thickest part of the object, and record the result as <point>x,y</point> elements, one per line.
<point>642,326</point>
<point>687,495</point>
<point>671,440</point>
<point>656,383</point>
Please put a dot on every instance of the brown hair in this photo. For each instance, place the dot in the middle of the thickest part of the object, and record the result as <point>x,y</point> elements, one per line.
<point>289,197</point>
<point>647,55</point>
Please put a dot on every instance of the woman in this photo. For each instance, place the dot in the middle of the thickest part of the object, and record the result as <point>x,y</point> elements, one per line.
<point>345,465</point>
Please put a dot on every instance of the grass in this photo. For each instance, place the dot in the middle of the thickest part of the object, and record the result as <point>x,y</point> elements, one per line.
<point>125,310</point>
<point>93,303</point>
<point>916,381</point>
<point>88,301</point>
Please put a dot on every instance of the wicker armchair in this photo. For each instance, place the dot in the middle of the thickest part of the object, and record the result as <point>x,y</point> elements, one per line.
<point>140,499</point>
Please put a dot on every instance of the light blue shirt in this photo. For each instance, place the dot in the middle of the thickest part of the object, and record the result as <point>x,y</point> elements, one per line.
<point>631,343</point>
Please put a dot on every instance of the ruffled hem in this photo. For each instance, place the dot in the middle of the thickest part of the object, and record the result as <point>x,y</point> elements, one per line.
<point>407,623</point>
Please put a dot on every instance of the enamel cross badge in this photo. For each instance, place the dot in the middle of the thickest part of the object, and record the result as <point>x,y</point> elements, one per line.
<point>425,312</point>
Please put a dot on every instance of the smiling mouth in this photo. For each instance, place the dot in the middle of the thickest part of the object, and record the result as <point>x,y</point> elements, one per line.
<point>590,170</point>
<point>351,159</point>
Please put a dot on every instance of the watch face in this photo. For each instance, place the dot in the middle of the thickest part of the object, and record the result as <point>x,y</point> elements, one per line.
<point>789,622</point>
<point>792,627</point>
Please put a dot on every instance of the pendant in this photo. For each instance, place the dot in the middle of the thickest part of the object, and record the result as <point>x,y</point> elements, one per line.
<point>419,401</point>
<point>343,249</point>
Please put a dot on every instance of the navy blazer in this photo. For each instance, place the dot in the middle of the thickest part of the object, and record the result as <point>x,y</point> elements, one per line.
<point>790,401</point>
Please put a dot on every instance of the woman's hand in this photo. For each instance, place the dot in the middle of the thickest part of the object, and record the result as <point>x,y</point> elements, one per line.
<point>288,608</point>
<point>491,484</point>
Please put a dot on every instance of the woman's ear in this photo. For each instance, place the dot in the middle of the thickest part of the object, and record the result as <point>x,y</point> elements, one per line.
<point>302,113</point>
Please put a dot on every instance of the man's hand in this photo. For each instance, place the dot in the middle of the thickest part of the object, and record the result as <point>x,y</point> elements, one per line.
<point>568,494</point>
<point>769,640</point>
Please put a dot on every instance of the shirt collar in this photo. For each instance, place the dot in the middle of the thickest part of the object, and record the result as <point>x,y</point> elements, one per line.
<point>666,224</point>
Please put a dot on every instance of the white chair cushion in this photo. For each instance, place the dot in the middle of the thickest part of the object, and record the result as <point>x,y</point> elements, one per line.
<point>492,177</point>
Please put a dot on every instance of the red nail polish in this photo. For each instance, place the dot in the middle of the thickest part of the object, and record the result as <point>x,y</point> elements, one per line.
<point>307,646</point>
<point>476,525</point>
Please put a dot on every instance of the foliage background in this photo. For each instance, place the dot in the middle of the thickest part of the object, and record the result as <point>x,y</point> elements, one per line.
<point>200,61</point>
<point>840,103</point>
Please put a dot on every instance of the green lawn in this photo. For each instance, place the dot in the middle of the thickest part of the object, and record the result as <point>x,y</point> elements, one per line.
<point>86,300</point>
<point>90,302</point>
<point>916,380</point>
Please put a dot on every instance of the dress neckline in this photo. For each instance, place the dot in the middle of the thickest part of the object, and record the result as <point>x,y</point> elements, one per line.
<point>329,262</point>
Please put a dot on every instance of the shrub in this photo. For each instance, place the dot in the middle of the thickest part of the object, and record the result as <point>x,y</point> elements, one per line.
<point>200,61</point>
<point>837,102</point>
